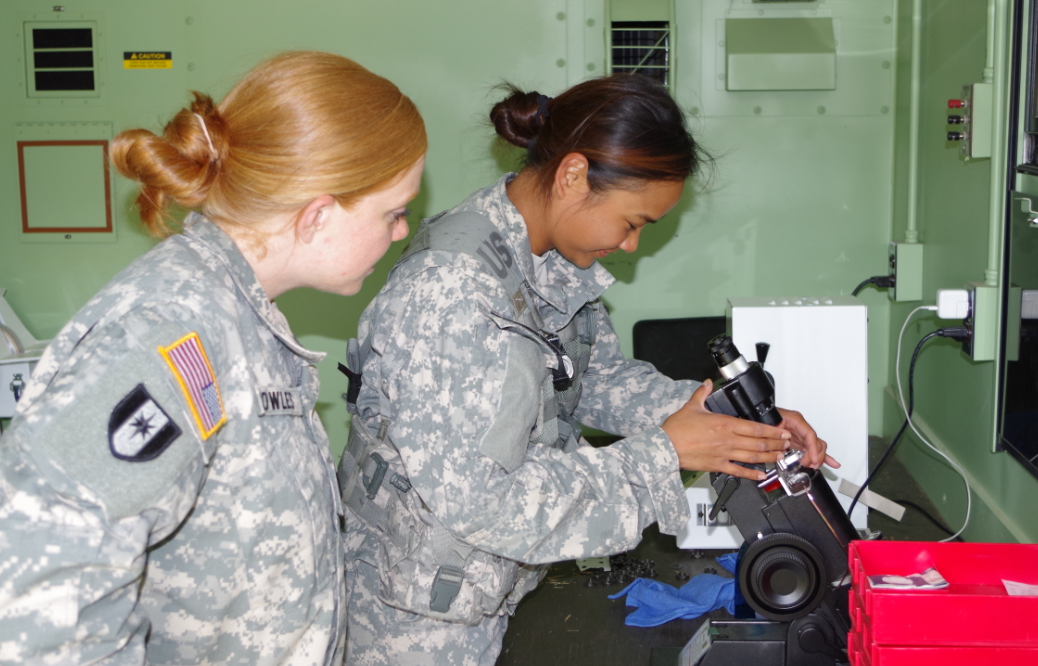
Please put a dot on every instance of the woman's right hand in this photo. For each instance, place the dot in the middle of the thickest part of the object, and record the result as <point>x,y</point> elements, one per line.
<point>710,442</point>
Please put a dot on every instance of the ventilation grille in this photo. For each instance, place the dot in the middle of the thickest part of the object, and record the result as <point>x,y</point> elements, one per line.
<point>641,47</point>
<point>61,61</point>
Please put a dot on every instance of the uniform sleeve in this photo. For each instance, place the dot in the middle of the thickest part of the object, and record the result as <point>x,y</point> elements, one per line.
<point>465,397</point>
<point>624,396</point>
<point>105,462</point>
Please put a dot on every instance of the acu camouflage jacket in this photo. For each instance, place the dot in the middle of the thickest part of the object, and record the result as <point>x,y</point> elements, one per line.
<point>461,392</point>
<point>166,490</point>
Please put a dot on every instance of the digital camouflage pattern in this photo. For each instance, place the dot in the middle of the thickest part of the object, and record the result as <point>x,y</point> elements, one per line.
<point>219,549</point>
<point>463,393</point>
<point>382,634</point>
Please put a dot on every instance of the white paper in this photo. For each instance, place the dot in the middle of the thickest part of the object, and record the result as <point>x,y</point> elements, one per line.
<point>1015,589</point>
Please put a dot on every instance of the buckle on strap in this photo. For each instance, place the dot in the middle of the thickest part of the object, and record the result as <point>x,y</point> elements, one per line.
<point>376,478</point>
<point>445,588</point>
<point>379,474</point>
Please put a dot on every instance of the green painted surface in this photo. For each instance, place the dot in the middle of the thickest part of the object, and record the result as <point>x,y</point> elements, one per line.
<point>641,10</point>
<point>780,35</point>
<point>954,395</point>
<point>780,54</point>
<point>799,201</point>
<point>907,262</point>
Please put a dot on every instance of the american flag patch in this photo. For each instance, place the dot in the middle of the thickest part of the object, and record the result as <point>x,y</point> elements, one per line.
<point>191,366</point>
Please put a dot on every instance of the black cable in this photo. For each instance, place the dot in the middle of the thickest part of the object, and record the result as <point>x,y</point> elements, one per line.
<point>864,284</point>
<point>955,332</point>
<point>881,281</point>
<point>911,406</point>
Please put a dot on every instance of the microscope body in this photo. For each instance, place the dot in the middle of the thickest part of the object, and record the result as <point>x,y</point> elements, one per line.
<point>793,568</point>
<point>746,391</point>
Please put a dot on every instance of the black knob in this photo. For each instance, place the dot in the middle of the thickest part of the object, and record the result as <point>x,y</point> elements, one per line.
<point>762,351</point>
<point>813,639</point>
<point>956,120</point>
<point>956,136</point>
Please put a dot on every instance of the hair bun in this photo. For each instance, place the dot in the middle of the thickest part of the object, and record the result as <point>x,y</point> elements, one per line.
<point>179,166</point>
<point>517,118</point>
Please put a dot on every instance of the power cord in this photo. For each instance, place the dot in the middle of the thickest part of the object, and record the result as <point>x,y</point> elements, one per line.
<point>881,281</point>
<point>893,444</point>
<point>904,426</point>
<point>957,333</point>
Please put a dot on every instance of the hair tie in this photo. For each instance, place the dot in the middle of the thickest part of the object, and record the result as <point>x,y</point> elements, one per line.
<point>542,109</point>
<point>205,131</point>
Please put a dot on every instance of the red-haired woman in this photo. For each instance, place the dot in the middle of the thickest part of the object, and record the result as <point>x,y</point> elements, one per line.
<point>167,495</point>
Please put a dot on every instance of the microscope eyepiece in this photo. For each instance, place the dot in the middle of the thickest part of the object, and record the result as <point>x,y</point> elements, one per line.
<point>723,350</point>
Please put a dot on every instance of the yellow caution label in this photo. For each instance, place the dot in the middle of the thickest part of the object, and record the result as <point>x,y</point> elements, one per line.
<point>147,60</point>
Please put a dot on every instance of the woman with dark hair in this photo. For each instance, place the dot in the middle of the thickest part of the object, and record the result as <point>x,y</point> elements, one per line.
<point>465,472</point>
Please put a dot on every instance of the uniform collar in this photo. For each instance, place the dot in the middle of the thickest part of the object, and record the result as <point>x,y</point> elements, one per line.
<point>569,287</point>
<point>218,248</point>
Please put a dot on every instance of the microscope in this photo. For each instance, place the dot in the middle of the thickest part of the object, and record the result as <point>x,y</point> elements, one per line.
<point>792,570</point>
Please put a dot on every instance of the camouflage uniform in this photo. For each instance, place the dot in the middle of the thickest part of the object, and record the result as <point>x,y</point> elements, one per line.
<point>167,494</point>
<point>471,481</point>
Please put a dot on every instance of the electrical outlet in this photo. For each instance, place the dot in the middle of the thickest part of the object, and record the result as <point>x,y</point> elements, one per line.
<point>906,265</point>
<point>982,322</point>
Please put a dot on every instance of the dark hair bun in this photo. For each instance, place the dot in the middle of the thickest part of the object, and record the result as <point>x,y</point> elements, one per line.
<point>515,117</point>
<point>627,126</point>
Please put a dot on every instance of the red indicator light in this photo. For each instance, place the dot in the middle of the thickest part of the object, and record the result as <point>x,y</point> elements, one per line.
<point>774,485</point>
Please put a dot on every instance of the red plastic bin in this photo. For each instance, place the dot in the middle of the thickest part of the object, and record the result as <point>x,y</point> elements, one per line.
<point>917,655</point>
<point>973,611</point>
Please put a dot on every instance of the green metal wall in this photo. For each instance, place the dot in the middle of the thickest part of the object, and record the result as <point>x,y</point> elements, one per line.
<point>955,396</point>
<point>803,198</point>
<point>798,203</point>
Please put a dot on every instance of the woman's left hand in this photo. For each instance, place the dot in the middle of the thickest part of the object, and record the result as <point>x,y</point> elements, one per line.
<point>805,439</point>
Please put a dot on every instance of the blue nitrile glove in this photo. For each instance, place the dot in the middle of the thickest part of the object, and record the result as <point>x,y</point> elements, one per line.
<point>658,602</point>
<point>729,561</point>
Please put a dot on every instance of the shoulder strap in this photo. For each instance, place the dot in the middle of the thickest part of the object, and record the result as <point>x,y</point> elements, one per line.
<point>472,234</point>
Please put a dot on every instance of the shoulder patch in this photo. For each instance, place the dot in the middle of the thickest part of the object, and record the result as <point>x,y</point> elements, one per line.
<point>191,367</point>
<point>139,429</point>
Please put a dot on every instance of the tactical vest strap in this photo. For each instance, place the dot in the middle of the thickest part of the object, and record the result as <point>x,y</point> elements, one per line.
<point>452,555</point>
<point>474,235</point>
<point>362,473</point>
